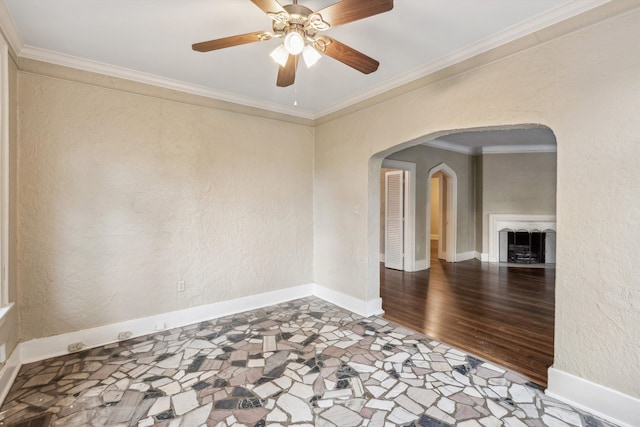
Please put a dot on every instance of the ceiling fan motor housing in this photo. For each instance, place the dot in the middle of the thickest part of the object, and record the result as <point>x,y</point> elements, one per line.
<point>299,26</point>
<point>297,20</point>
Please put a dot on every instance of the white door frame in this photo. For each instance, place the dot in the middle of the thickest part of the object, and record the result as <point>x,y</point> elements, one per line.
<point>410,210</point>
<point>4,172</point>
<point>394,216</point>
<point>451,212</point>
<point>442,181</point>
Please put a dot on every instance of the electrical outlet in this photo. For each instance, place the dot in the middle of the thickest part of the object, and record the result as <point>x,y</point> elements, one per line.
<point>124,335</point>
<point>180,285</point>
<point>76,346</point>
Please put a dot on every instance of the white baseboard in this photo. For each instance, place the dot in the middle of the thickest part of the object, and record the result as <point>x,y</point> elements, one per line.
<point>594,398</point>
<point>381,257</point>
<point>44,348</point>
<point>465,256</point>
<point>421,264</point>
<point>363,308</point>
<point>8,373</point>
<point>484,257</point>
<point>599,400</point>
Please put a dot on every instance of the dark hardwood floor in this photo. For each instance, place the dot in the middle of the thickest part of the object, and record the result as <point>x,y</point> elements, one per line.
<point>504,315</point>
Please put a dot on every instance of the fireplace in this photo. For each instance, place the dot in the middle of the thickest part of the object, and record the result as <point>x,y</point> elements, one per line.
<point>526,247</point>
<point>522,239</point>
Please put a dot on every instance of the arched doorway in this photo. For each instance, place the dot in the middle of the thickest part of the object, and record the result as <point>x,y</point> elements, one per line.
<point>466,302</point>
<point>447,203</point>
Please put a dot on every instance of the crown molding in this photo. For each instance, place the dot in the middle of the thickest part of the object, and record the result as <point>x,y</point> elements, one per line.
<point>491,149</point>
<point>537,23</point>
<point>511,149</point>
<point>37,54</point>
<point>10,30</point>
<point>512,33</point>
<point>450,146</point>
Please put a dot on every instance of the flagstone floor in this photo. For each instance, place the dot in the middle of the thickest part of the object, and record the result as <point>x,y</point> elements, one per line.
<point>300,363</point>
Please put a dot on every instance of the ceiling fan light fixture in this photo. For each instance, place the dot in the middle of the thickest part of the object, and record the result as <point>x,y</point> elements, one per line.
<point>298,26</point>
<point>310,56</point>
<point>294,42</point>
<point>280,55</point>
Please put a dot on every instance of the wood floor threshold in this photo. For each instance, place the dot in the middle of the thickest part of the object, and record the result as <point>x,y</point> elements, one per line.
<point>500,314</point>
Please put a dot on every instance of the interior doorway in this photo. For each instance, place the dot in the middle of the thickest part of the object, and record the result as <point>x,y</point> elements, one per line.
<point>437,203</point>
<point>394,181</point>
<point>461,181</point>
<point>398,225</point>
<point>441,212</point>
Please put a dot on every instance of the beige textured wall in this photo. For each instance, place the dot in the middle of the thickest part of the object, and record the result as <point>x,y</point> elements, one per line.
<point>122,195</point>
<point>584,86</point>
<point>523,183</point>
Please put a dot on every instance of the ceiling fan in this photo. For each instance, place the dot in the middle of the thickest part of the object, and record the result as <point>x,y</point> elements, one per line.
<point>299,27</point>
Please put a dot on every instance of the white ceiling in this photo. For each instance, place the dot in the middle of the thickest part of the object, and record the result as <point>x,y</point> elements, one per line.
<point>150,41</point>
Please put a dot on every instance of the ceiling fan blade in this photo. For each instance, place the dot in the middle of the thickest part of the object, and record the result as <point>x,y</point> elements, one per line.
<point>352,10</point>
<point>228,41</point>
<point>287,74</point>
<point>349,56</point>
<point>269,6</point>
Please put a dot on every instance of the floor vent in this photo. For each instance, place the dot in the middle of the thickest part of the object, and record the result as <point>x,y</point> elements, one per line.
<point>39,421</point>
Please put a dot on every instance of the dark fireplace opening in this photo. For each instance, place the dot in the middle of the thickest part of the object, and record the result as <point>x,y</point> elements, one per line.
<point>522,246</point>
<point>526,247</point>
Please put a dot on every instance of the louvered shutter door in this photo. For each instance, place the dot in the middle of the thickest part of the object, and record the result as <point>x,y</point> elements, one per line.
<point>394,220</point>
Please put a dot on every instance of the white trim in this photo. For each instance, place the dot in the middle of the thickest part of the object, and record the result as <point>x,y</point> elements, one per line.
<point>491,149</point>
<point>452,210</point>
<point>359,306</point>
<point>581,393</point>
<point>4,172</point>
<point>450,146</point>
<point>4,311</point>
<point>9,29</point>
<point>444,195</point>
<point>465,256</point>
<point>499,222</point>
<point>395,215</point>
<point>9,372</point>
<point>524,149</point>
<point>484,257</point>
<point>44,348</point>
<point>38,54</point>
<point>421,265</point>
<point>519,30</point>
<point>597,399</point>
<point>410,205</point>
<point>381,257</point>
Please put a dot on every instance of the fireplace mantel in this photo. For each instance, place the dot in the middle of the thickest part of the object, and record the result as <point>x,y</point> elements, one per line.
<point>527,222</point>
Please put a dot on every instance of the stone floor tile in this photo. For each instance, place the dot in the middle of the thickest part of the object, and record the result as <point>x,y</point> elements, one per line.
<point>304,363</point>
<point>184,402</point>
<point>297,409</point>
<point>343,417</point>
